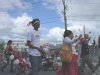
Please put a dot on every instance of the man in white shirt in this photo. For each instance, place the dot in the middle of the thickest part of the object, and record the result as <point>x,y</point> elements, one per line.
<point>33,42</point>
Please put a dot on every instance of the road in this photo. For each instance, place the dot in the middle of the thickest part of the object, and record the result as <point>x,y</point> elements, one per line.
<point>41,73</point>
<point>87,72</point>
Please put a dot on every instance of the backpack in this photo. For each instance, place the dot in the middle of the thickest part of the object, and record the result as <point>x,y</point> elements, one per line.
<point>66,54</point>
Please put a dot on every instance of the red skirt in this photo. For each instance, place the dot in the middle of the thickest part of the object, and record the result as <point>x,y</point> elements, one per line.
<point>72,68</point>
<point>62,72</point>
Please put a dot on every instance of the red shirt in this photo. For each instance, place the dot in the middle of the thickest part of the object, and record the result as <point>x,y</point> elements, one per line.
<point>9,49</point>
<point>84,48</point>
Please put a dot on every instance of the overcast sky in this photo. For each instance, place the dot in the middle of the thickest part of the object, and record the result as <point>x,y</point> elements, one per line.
<point>15,14</point>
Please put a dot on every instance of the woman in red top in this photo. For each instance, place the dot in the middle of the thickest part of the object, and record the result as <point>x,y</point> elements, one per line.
<point>9,50</point>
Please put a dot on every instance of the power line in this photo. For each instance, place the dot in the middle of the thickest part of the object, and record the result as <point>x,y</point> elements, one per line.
<point>82,15</point>
<point>67,2</point>
<point>81,20</point>
<point>50,22</point>
<point>72,17</point>
<point>39,3</point>
<point>45,18</point>
<point>82,3</point>
<point>67,20</point>
<point>50,4</point>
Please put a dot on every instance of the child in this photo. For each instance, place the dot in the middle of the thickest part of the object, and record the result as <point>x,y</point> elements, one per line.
<point>67,68</point>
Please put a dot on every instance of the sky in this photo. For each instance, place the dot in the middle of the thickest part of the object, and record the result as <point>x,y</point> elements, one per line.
<point>15,14</point>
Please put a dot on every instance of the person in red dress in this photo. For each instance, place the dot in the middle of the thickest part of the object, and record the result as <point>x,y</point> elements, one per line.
<point>69,68</point>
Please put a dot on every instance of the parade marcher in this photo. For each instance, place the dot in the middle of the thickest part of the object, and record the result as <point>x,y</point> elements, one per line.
<point>67,68</point>
<point>33,42</point>
<point>85,55</point>
<point>98,52</point>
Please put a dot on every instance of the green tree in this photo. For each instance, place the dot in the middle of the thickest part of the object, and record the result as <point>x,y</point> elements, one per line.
<point>2,45</point>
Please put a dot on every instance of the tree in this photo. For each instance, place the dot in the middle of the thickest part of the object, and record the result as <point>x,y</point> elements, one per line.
<point>64,13</point>
<point>2,45</point>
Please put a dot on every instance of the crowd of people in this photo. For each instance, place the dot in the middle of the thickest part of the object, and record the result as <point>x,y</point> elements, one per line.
<point>80,51</point>
<point>78,45</point>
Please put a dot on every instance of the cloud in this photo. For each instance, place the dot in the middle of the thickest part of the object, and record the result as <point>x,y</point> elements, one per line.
<point>21,23</point>
<point>16,28</point>
<point>12,4</point>
<point>13,28</point>
<point>55,35</point>
<point>76,8</point>
<point>54,5</point>
<point>5,21</point>
<point>79,13</point>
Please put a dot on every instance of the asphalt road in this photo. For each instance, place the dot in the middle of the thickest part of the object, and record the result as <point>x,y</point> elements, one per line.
<point>86,72</point>
<point>41,73</point>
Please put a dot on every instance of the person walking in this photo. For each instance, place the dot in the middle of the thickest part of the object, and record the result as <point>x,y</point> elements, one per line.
<point>69,68</point>
<point>33,42</point>
<point>85,55</point>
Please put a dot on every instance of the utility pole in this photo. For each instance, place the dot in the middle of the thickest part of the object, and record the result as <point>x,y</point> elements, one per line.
<point>64,13</point>
<point>84,29</point>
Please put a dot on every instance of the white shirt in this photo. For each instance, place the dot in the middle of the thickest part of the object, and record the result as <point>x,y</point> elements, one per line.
<point>72,43</point>
<point>74,50</point>
<point>34,37</point>
<point>68,41</point>
<point>48,54</point>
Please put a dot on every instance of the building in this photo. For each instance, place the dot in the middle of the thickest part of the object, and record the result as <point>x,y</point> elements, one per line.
<point>19,45</point>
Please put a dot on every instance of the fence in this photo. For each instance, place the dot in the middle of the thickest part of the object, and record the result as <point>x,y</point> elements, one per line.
<point>93,53</point>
